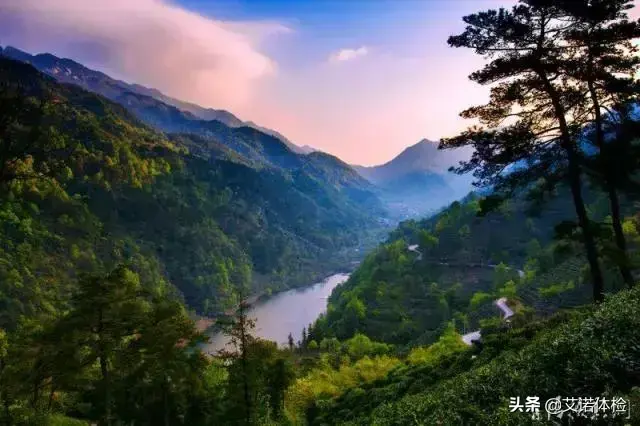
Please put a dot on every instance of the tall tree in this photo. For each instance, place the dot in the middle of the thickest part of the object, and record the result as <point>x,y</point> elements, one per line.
<point>162,369</point>
<point>279,376</point>
<point>290,342</point>
<point>107,313</point>
<point>526,72</point>
<point>239,329</point>
<point>605,60</point>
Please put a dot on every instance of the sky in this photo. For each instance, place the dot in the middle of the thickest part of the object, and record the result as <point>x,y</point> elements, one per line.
<point>360,79</point>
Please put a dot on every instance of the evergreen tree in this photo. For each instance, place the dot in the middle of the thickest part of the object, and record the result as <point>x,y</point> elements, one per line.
<point>527,69</point>
<point>239,329</point>
<point>279,376</point>
<point>107,314</point>
<point>290,342</point>
<point>163,370</point>
<point>605,60</point>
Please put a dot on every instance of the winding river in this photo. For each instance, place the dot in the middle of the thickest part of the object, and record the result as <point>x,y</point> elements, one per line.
<point>286,312</point>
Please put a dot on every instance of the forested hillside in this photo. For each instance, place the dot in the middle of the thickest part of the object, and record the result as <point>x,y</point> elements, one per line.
<point>584,352</point>
<point>462,264</point>
<point>99,188</point>
<point>262,147</point>
<point>121,212</point>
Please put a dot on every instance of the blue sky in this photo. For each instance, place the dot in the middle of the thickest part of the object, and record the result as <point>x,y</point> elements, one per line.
<point>361,79</point>
<point>327,25</point>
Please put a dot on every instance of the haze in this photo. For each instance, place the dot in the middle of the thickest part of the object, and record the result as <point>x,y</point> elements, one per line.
<point>361,79</point>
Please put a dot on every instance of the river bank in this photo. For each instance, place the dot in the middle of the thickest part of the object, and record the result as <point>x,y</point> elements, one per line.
<point>285,313</point>
<point>205,323</point>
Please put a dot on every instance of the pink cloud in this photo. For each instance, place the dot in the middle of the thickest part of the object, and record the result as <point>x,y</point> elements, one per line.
<point>368,112</point>
<point>151,42</point>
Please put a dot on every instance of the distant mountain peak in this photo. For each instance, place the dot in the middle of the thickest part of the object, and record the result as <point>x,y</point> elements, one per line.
<point>423,156</point>
<point>417,180</point>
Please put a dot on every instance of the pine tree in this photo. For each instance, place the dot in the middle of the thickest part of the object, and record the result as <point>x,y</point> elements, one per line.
<point>162,368</point>
<point>106,314</point>
<point>291,342</point>
<point>239,330</point>
<point>526,72</point>
<point>605,60</point>
<point>280,375</point>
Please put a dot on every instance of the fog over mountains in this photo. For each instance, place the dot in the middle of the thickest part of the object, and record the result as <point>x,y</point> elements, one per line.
<point>417,181</point>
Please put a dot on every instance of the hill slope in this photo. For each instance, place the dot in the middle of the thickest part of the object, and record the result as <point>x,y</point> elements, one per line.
<point>591,351</point>
<point>101,188</point>
<point>69,71</point>
<point>464,263</point>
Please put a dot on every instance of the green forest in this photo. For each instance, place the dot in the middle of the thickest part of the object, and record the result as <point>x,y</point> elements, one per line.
<point>123,220</point>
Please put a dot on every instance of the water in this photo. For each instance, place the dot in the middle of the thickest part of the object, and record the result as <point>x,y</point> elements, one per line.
<point>287,312</point>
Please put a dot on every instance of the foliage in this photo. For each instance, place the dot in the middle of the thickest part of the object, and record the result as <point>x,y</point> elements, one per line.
<point>589,352</point>
<point>87,186</point>
<point>449,343</point>
<point>325,382</point>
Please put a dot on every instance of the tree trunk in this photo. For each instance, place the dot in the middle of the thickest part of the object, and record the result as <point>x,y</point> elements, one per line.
<point>621,242</point>
<point>614,203</point>
<point>165,402</point>
<point>575,183</point>
<point>51,395</point>
<point>584,223</point>
<point>104,370</point>
<point>245,366</point>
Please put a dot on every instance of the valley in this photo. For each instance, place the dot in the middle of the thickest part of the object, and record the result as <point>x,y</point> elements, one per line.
<point>165,261</point>
<point>286,313</point>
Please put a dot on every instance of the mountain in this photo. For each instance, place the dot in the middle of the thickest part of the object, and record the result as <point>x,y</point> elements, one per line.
<point>412,184</point>
<point>90,185</point>
<point>293,147</point>
<point>306,149</point>
<point>69,71</point>
<point>254,145</point>
<point>417,182</point>
<point>424,157</point>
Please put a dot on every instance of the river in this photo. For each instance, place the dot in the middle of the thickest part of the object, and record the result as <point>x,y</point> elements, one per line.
<point>286,312</point>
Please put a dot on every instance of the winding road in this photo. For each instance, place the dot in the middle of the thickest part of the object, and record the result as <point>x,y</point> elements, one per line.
<point>501,303</point>
<point>414,248</point>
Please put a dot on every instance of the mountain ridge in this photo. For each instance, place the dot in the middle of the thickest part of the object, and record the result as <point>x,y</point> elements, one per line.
<point>71,71</point>
<point>416,181</point>
<point>257,144</point>
<point>203,221</point>
<point>410,158</point>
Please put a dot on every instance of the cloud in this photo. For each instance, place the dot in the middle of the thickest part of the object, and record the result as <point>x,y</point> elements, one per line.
<point>152,42</point>
<point>348,54</point>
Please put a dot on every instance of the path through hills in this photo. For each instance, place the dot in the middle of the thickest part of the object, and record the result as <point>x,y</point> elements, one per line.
<point>501,303</point>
